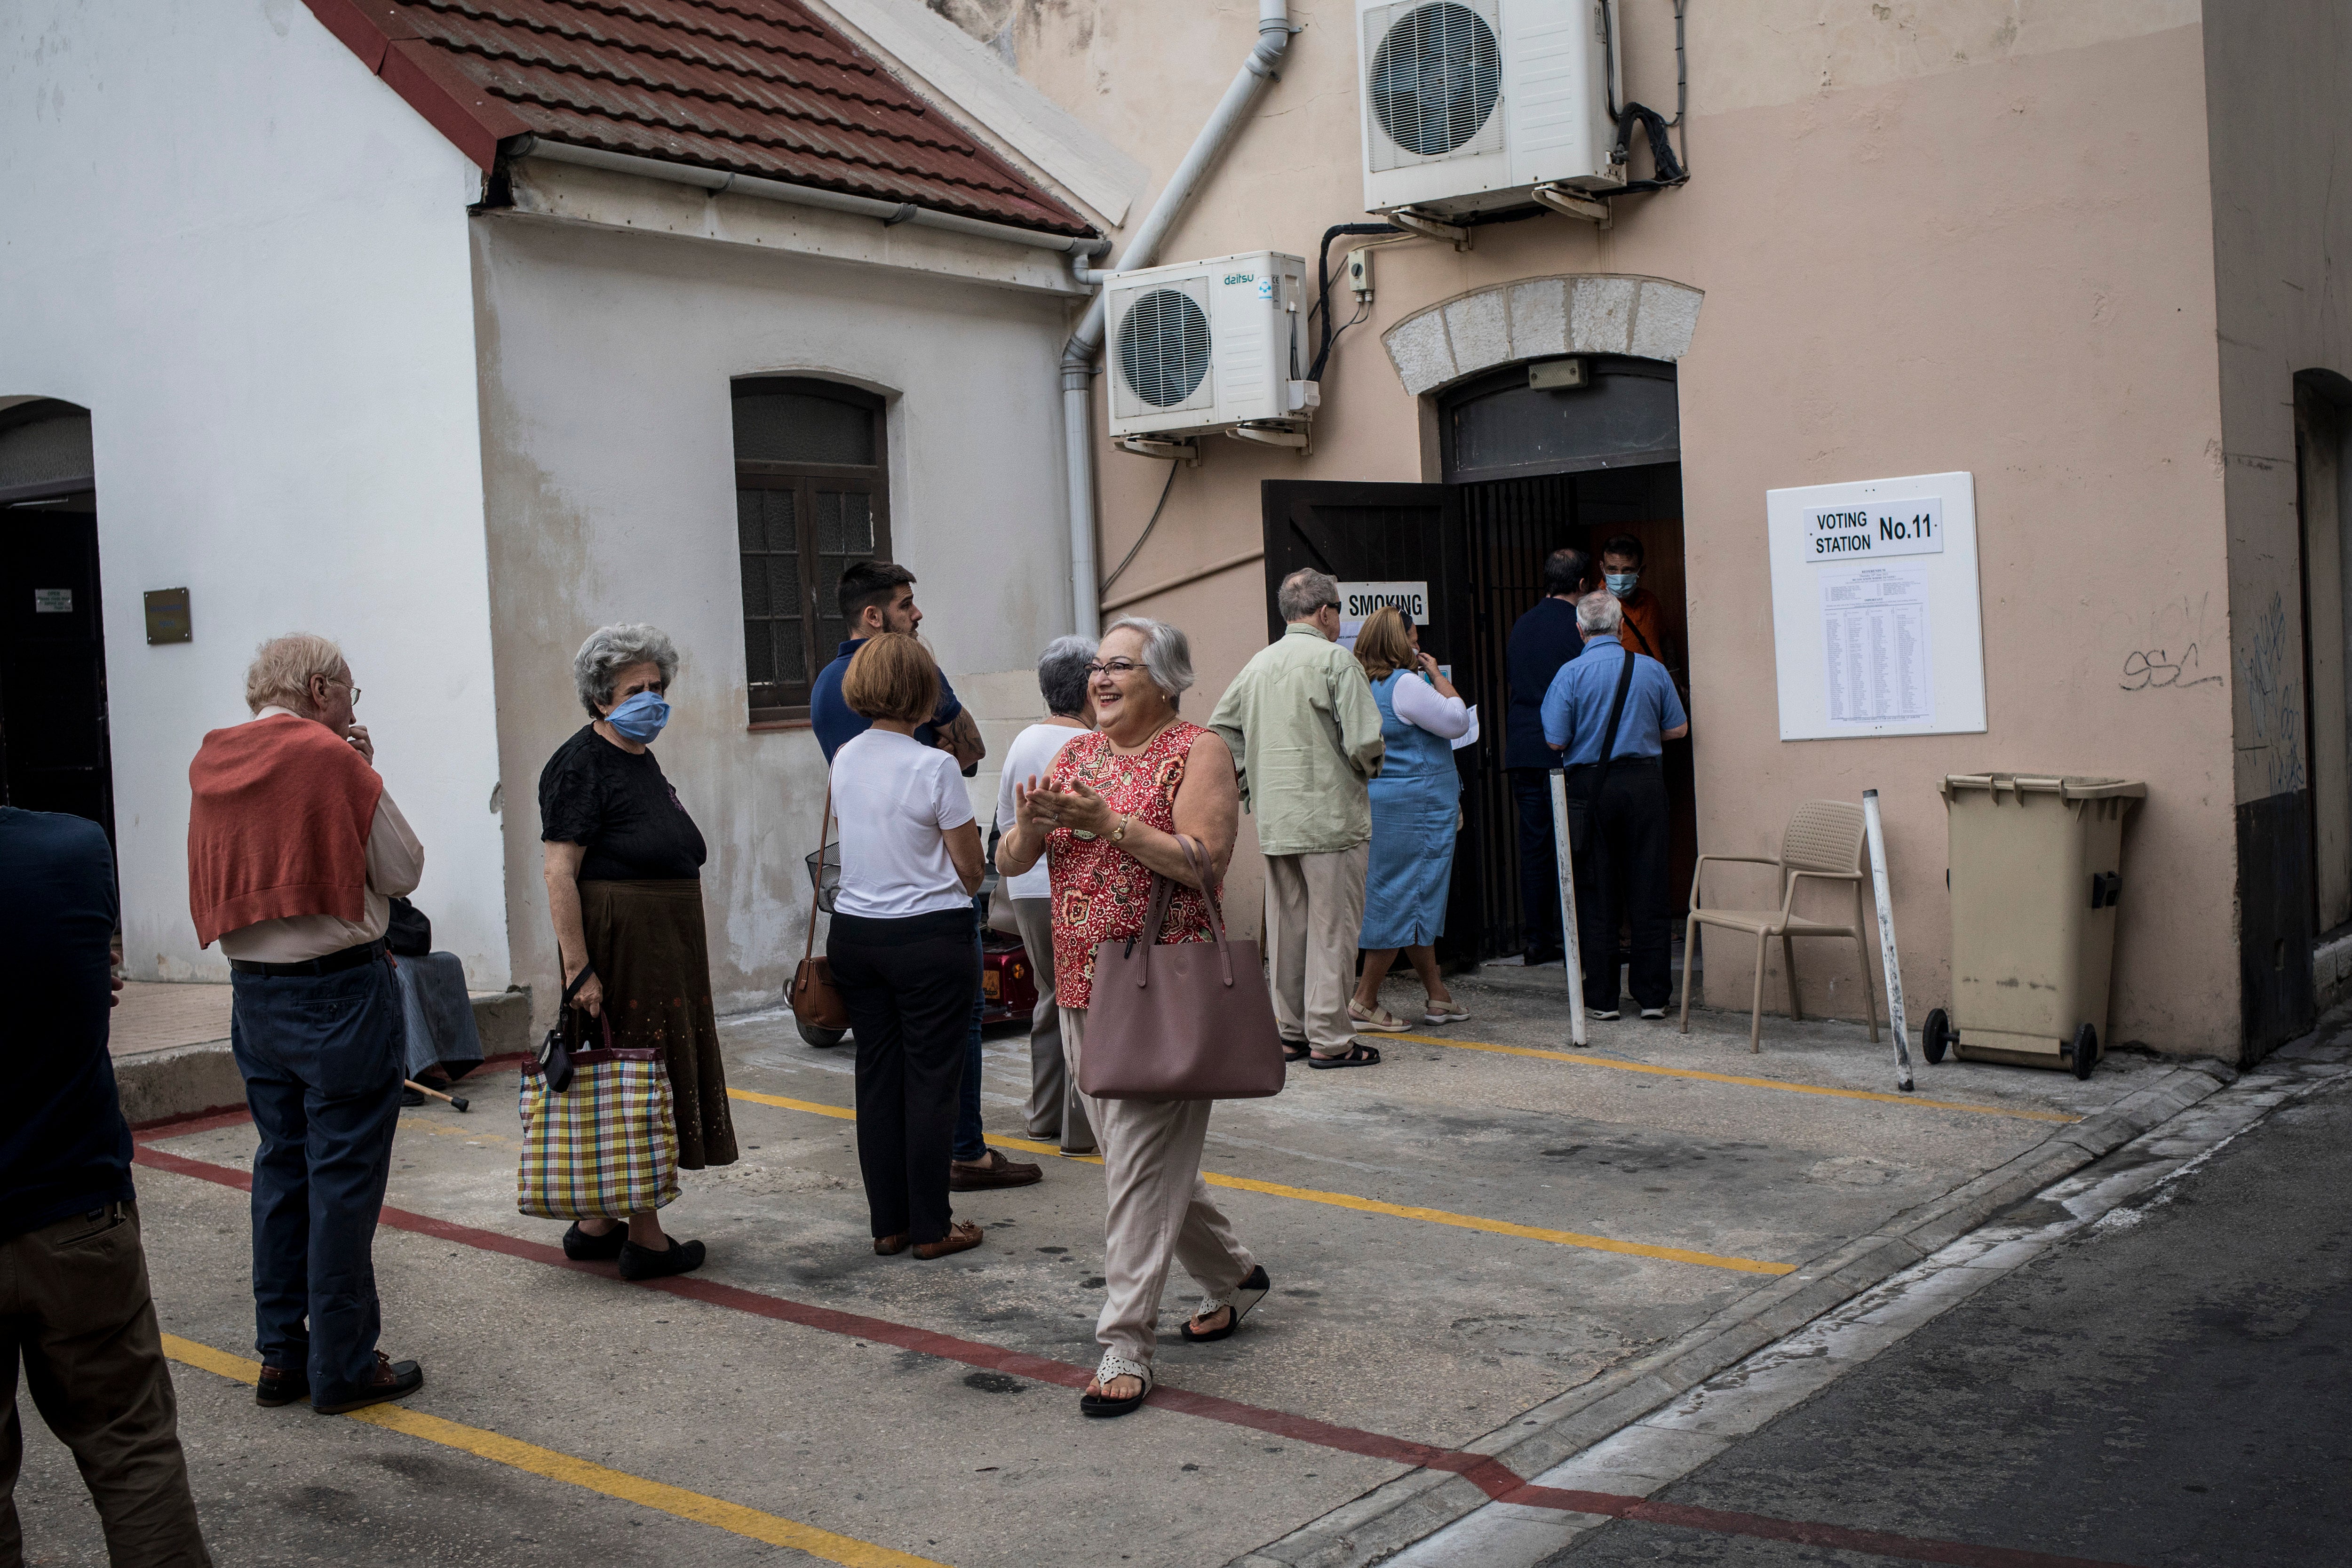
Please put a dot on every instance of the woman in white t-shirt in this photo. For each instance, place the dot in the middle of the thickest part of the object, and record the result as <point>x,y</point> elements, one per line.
<point>900,945</point>
<point>1056,1108</point>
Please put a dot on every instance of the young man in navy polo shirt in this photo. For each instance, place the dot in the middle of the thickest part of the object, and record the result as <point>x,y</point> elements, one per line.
<point>876,596</point>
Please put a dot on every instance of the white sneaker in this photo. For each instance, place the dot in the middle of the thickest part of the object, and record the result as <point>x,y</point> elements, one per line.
<point>1653,1012</point>
<point>1607,1015</point>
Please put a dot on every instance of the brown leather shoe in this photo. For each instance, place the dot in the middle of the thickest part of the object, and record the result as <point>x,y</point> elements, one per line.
<point>391,1379</point>
<point>995,1171</point>
<point>962,1236</point>
<point>281,1385</point>
<point>891,1246</point>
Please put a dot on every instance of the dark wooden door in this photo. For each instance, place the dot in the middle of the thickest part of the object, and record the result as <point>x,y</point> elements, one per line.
<point>53,743</point>
<point>1399,533</point>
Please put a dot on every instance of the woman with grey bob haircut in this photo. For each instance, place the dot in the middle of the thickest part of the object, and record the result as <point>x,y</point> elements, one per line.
<point>624,873</point>
<point>608,651</point>
<point>1167,655</point>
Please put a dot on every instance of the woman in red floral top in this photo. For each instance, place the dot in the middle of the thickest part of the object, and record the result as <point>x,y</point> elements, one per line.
<point>1106,817</point>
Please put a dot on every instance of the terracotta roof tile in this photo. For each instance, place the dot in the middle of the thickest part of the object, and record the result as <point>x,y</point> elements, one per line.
<point>753,87</point>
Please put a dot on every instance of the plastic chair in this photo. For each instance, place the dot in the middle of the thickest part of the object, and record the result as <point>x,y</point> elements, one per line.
<point>1824,840</point>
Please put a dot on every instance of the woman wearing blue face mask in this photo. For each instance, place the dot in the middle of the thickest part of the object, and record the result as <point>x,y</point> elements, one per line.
<point>624,884</point>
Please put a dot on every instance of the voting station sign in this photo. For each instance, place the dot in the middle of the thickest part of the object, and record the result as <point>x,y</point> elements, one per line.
<point>1844,534</point>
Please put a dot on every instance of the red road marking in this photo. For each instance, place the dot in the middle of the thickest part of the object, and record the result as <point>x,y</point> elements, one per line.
<point>1491,1476</point>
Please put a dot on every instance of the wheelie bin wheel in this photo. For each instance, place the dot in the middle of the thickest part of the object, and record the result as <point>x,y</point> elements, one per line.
<point>1936,1037</point>
<point>2087,1050</point>
<point>816,1037</point>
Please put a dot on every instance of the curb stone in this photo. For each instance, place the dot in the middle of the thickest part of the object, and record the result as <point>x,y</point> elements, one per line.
<point>1399,1512</point>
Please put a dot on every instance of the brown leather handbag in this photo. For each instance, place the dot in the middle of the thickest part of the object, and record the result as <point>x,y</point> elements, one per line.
<point>1189,1020</point>
<point>815,1001</point>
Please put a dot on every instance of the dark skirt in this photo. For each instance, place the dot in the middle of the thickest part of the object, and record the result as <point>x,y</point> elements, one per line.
<point>647,942</point>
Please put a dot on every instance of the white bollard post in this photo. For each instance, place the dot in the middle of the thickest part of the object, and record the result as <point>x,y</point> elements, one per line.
<point>1569,947</point>
<point>1885,902</point>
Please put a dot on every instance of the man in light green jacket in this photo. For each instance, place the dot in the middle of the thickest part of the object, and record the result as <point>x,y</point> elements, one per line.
<point>1305,736</point>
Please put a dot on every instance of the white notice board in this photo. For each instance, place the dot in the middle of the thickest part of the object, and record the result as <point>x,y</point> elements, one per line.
<point>1876,626</point>
<point>1359,600</point>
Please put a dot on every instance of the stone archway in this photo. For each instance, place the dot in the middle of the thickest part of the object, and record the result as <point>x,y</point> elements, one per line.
<point>1538,318</point>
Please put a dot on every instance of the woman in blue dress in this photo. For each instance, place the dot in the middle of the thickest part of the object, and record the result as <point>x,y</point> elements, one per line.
<point>1416,809</point>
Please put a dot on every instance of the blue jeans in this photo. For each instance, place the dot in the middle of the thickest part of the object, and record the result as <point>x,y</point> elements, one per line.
<point>322,1057</point>
<point>970,1146</point>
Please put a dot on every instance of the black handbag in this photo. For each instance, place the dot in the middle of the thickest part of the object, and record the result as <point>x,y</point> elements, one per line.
<point>1579,806</point>
<point>410,935</point>
<point>554,1055</point>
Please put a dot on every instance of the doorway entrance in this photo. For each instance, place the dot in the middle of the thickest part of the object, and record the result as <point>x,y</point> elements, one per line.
<point>1527,469</point>
<point>54,755</point>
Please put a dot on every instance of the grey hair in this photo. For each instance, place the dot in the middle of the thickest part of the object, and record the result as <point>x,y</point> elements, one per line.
<point>1062,675</point>
<point>1599,613</point>
<point>1167,654</point>
<point>1304,592</point>
<point>611,649</point>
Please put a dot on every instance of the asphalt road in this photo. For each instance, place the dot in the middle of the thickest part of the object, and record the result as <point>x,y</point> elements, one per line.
<point>2168,1389</point>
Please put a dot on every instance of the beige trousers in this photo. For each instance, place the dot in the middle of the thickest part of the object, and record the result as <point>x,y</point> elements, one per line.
<point>1055,1108</point>
<point>1159,1210</point>
<point>1314,913</point>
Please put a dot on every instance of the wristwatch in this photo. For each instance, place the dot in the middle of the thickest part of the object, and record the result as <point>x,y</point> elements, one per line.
<point>1119,833</point>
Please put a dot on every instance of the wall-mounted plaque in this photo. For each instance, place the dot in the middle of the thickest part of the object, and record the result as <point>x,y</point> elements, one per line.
<point>167,615</point>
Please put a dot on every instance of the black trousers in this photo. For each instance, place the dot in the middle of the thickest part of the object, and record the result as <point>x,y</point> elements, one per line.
<point>1621,875</point>
<point>1538,863</point>
<point>911,985</point>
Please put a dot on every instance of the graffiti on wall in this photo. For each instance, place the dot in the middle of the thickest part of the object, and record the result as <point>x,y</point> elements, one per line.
<point>2275,698</point>
<point>2164,650</point>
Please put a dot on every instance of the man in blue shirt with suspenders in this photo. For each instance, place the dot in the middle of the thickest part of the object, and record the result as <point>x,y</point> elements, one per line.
<point>1607,713</point>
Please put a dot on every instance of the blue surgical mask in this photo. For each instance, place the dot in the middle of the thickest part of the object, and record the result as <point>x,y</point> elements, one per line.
<point>1622,582</point>
<point>641,717</point>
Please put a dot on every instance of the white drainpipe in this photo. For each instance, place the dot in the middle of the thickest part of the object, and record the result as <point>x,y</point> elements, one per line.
<point>1273,32</point>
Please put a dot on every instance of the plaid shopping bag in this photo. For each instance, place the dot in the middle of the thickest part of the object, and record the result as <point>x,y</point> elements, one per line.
<point>606,1147</point>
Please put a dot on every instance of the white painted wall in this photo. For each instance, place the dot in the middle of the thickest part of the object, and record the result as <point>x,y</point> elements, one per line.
<point>608,453</point>
<point>247,256</point>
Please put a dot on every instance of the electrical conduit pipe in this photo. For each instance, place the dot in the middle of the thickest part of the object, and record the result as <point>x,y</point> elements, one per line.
<point>1274,31</point>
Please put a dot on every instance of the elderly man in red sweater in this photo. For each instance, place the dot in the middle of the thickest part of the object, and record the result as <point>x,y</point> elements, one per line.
<point>295,852</point>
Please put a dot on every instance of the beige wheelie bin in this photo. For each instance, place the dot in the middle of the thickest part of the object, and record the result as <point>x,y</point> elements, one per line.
<point>2037,872</point>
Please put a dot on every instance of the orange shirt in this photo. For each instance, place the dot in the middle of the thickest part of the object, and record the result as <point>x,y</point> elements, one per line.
<point>1643,630</point>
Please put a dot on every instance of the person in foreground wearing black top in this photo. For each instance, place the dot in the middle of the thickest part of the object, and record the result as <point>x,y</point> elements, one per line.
<point>74,1302</point>
<point>625,886</point>
<point>1541,641</point>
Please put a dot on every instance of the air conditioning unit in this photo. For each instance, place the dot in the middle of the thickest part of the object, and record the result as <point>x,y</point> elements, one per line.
<point>1209,345</point>
<point>1470,105</point>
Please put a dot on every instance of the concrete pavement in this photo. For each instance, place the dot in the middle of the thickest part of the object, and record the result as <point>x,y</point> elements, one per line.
<point>1475,1247</point>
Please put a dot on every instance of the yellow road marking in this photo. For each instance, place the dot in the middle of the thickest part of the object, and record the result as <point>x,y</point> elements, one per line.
<point>1363,1206</point>
<point>1593,1061</point>
<point>733,1518</point>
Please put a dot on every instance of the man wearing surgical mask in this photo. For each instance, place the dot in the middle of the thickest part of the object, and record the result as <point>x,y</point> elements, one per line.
<point>1620,572</point>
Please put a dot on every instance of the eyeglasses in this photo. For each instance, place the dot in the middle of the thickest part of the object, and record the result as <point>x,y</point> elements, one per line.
<point>1114,667</point>
<point>354,690</point>
<point>1327,604</point>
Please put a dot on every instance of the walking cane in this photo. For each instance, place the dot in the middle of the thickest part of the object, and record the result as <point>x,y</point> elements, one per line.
<point>1568,944</point>
<point>458,1100</point>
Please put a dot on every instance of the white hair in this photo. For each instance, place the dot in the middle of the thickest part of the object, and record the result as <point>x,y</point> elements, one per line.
<point>1062,675</point>
<point>1167,654</point>
<point>1599,613</point>
<point>611,649</point>
<point>1304,592</point>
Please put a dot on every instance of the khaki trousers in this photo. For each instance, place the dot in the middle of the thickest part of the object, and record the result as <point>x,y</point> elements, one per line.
<point>1159,1210</point>
<point>1056,1108</point>
<point>75,1309</point>
<point>1314,913</point>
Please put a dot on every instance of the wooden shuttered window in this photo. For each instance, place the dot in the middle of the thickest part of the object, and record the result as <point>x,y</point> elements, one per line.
<point>811,498</point>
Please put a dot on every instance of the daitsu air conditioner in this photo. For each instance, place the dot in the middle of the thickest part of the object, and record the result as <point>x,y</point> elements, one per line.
<point>1209,345</point>
<point>1470,104</point>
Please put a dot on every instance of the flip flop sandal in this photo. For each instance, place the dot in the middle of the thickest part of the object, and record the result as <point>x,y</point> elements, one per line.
<point>1240,1299</point>
<point>1295,1050</point>
<point>1115,1366</point>
<point>1359,1054</point>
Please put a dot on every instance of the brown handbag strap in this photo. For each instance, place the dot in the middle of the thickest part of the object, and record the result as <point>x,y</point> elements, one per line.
<point>1163,888</point>
<point>816,881</point>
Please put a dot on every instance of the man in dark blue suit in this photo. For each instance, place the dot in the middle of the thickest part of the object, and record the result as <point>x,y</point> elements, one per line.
<point>1541,641</point>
